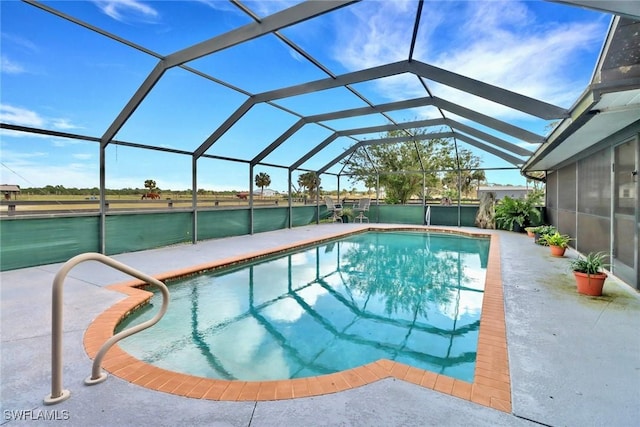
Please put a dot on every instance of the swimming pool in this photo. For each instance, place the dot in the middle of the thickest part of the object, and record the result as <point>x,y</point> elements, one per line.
<point>410,297</point>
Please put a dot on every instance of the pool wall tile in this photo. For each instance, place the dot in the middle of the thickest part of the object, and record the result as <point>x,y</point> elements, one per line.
<point>315,388</point>
<point>233,390</point>
<point>216,390</point>
<point>327,383</point>
<point>340,382</point>
<point>444,384</point>
<point>300,387</point>
<point>352,378</point>
<point>200,389</point>
<point>284,390</point>
<point>491,386</point>
<point>399,370</point>
<point>461,389</point>
<point>267,390</point>
<point>188,384</point>
<point>413,375</point>
<point>250,391</point>
<point>429,379</point>
<point>367,375</point>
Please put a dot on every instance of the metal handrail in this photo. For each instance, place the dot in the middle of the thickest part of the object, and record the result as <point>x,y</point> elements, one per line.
<point>58,394</point>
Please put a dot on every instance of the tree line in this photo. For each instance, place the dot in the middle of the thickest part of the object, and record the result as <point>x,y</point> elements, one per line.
<point>61,190</point>
<point>420,167</point>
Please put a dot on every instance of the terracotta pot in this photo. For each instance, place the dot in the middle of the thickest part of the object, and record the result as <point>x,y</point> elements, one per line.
<point>557,250</point>
<point>531,233</point>
<point>590,284</point>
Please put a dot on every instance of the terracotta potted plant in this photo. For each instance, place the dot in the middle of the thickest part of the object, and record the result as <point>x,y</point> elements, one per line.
<point>530,231</point>
<point>557,243</point>
<point>542,230</point>
<point>588,273</point>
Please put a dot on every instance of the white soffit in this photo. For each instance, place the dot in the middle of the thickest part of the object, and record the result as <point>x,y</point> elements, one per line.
<point>630,8</point>
<point>616,111</point>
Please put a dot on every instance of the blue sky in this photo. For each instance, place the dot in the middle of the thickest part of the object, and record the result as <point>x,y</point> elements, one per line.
<point>58,75</point>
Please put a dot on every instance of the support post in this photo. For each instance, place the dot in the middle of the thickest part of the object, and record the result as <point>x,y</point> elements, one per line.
<point>250,198</point>
<point>194,200</point>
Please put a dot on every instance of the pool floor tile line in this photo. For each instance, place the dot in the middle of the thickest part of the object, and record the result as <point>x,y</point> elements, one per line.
<point>491,385</point>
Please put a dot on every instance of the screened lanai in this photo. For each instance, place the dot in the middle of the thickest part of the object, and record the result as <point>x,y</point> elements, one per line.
<point>205,95</point>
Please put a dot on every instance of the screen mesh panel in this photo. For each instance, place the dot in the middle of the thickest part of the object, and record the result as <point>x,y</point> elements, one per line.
<point>566,223</point>
<point>594,234</point>
<point>552,190</point>
<point>567,188</point>
<point>595,184</point>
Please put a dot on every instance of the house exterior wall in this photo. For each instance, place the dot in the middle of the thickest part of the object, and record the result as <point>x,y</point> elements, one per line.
<point>501,192</point>
<point>581,202</point>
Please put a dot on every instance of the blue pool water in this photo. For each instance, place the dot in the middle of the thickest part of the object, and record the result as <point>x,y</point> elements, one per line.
<point>410,297</point>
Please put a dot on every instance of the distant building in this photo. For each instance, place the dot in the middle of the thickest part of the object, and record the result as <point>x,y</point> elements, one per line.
<point>266,193</point>
<point>8,190</point>
<point>505,190</point>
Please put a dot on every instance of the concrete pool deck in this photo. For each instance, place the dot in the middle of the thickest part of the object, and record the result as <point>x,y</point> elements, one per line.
<point>573,360</point>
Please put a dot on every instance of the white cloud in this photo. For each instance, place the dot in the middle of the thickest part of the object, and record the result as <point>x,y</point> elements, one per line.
<point>127,10</point>
<point>69,176</point>
<point>32,169</point>
<point>219,5</point>
<point>20,42</point>
<point>25,117</point>
<point>65,142</point>
<point>20,157</point>
<point>497,42</point>
<point>10,67</point>
<point>265,8</point>
<point>379,35</point>
<point>20,116</point>
<point>533,63</point>
<point>63,124</point>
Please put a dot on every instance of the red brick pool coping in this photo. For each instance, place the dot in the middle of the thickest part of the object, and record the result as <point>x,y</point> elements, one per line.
<point>491,384</point>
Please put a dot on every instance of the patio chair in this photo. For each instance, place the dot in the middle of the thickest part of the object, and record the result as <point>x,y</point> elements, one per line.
<point>335,209</point>
<point>362,207</point>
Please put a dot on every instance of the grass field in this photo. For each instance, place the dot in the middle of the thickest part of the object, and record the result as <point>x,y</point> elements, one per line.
<point>65,203</point>
<point>50,203</point>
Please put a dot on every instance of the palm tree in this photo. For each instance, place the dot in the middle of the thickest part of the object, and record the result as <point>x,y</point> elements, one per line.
<point>150,184</point>
<point>262,180</point>
<point>310,181</point>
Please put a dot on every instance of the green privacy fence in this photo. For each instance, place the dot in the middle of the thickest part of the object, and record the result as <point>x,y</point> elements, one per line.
<point>26,242</point>
<point>407,214</point>
<point>140,231</point>
<point>38,241</point>
<point>234,222</point>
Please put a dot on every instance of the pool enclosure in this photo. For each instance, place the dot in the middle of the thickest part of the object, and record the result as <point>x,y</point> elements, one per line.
<point>264,97</point>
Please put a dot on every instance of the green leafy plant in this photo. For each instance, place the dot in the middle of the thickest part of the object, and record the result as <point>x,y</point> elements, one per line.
<point>556,239</point>
<point>510,211</point>
<point>592,263</point>
<point>541,231</point>
<point>544,229</point>
<point>348,213</point>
